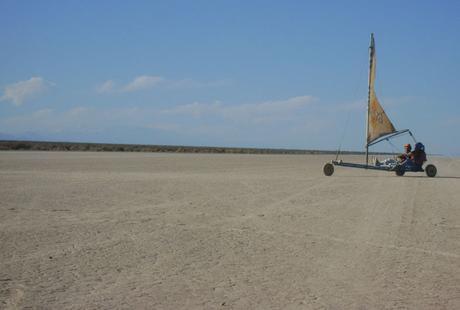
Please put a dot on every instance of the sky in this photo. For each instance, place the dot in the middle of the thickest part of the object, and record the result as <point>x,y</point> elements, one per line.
<point>277,74</point>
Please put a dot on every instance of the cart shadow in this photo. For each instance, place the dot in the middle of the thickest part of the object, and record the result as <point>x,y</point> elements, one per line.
<point>436,177</point>
<point>392,176</point>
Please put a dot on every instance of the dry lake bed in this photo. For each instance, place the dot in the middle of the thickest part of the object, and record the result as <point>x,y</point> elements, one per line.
<point>209,231</point>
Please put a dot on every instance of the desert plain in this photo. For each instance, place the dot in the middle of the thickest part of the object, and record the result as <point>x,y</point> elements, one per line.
<point>82,230</point>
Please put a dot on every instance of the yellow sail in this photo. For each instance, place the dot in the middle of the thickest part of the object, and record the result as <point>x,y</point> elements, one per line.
<point>378,122</point>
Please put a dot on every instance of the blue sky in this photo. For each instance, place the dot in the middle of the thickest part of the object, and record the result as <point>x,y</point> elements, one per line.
<point>289,74</point>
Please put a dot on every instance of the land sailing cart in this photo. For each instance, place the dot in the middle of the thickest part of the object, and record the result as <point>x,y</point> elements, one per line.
<point>379,128</point>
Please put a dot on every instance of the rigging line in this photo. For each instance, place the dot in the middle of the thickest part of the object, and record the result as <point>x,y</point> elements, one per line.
<point>343,136</point>
<point>395,149</point>
<point>361,73</point>
<point>413,137</point>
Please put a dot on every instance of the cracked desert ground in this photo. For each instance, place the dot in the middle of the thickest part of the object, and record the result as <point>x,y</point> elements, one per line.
<point>209,231</point>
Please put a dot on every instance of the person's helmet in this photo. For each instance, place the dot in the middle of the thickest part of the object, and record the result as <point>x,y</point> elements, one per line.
<point>419,147</point>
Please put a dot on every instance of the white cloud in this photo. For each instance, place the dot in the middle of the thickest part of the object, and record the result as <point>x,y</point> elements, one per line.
<point>190,83</point>
<point>277,122</point>
<point>350,106</point>
<point>22,91</point>
<point>187,116</point>
<point>34,121</point>
<point>78,111</point>
<point>142,82</point>
<point>42,113</point>
<point>145,82</point>
<point>164,126</point>
<point>397,101</point>
<point>52,121</point>
<point>280,107</point>
<point>197,109</point>
<point>106,87</point>
<point>255,112</point>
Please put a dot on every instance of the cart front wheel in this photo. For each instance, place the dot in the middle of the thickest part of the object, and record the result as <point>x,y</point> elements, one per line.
<point>328,169</point>
<point>399,170</point>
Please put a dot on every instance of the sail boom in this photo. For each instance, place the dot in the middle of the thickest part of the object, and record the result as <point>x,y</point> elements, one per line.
<point>388,136</point>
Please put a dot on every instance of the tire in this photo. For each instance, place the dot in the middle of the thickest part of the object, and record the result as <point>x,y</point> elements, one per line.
<point>399,170</point>
<point>431,171</point>
<point>328,169</point>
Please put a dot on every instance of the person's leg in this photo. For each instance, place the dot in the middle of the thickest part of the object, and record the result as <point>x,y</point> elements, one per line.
<point>408,164</point>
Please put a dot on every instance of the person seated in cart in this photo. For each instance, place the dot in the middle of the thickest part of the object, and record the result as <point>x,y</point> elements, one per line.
<point>414,160</point>
<point>406,154</point>
<point>411,160</point>
<point>395,161</point>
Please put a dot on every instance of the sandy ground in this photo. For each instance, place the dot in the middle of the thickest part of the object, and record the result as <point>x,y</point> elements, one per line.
<point>182,231</point>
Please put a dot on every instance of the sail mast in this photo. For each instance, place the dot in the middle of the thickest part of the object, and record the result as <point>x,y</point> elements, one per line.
<point>371,54</point>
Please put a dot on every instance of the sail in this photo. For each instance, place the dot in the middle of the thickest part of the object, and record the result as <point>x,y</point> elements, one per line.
<point>378,122</point>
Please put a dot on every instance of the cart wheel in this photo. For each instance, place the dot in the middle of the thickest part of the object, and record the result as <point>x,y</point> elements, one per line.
<point>328,169</point>
<point>399,170</point>
<point>431,170</point>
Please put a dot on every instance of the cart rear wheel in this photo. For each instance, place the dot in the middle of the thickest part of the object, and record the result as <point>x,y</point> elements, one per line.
<point>399,170</point>
<point>431,170</point>
<point>328,169</point>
